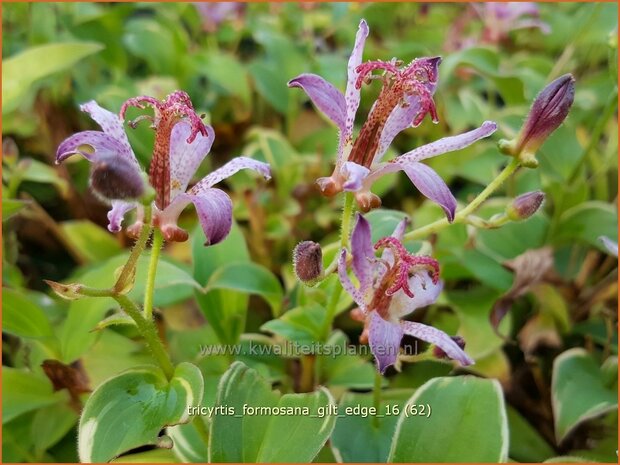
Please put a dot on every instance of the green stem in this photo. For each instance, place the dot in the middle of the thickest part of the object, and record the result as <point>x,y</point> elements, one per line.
<point>130,266</point>
<point>345,226</point>
<point>158,242</point>
<point>462,215</point>
<point>376,397</point>
<point>149,332</point>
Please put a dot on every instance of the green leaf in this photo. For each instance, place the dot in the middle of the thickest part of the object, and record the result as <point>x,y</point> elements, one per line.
<point>22,317</point>
<point>343,369</point>
<point>360,436</point>
<point>227,72</point>
<point>526,444</point>
<point>36,171</point>
<point>50,424</point>
<point>21,71</point>
<point>225,310</point>
<point>129,410</point>
<point>94,243</point>
<point>249,278</point>
<point>267,81</point>
<point>12,206</point>
<point>302,325</point>
<point>153,42</point>
<point>578,392</point>
<point>23,391</point>
<point>383,222</point>
<point>587,222</point>
<point>189,446</point>
<point>487,270</point>
<point>467,413</point>
<point>266,438</point>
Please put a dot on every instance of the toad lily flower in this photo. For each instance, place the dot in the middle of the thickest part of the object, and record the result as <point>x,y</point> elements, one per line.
<point>406,97</point>
<point>182,141</point>
<point>390,288</point>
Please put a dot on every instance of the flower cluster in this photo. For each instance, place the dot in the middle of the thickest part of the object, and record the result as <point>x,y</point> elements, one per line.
<point>182,141</point>
<point>405,99</point>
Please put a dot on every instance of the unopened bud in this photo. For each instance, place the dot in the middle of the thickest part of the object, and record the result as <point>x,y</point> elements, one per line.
<point>117,179</point>
<point>525,205</point>
<point>548,111</point>
<point>438,351</point>
<point>66,291</point>
<point>308,262</point>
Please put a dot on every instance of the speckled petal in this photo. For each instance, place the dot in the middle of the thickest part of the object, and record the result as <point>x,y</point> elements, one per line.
<point>438,338</point>
<point>430,184</point>
<point>110,123</point>
<point>117,214</point>
<point>384,338</point>
<point>230,168</point>
<point>352,94</point>
<point>425,292</point>
<point>186,158</point>
<point>354,176</point>
<point>325,96</point>
<point>347,285</point>
<point>363,253</point>
<point>214,209</point>
<point>94,146</point>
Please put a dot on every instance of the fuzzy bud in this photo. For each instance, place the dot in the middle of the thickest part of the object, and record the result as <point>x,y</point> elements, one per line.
<point>117,179</point>
<point>548,111</point>
<point>308,262</point>
<point>439,353</point>
<point>525,205</point>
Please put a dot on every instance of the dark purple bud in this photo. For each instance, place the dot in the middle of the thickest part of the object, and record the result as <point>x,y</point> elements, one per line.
<point>525,205</point>
<point>308,262</point>
<point>548,111</point>
<point>439,353</point>
<point>117,179</point>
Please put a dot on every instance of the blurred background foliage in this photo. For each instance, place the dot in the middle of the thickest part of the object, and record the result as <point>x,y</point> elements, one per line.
<point>235,69</point>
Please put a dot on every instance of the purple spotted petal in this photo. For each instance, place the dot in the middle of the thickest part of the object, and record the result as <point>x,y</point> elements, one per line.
<point>438,338</point>
<point>325,96</point>
<point>94,146</point>
<point>347,285</point>
<point>354,176</point>
<point>214,209</point>
<point>384,338</point>
<point>430,184</point>
<point>110,123</point>
<point>363,253</point>
<point>117,214</point>
<point>611,246</point>
<point>230,168</point>
<point>448,144</point>
<point>186,158</point>
<point>425,293</point>
<point>352,95</point>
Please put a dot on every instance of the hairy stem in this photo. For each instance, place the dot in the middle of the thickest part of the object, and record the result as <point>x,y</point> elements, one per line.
<point>149,332</point>
<point>130,266</point>
<point>347,212</point>
<point>158,242</point>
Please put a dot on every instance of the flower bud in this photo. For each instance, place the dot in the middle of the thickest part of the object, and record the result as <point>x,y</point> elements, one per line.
<point>308,262</point>
<point>525,205</point>
<point>548,111</point>
<point>117,179</point>
<point>439,353</point>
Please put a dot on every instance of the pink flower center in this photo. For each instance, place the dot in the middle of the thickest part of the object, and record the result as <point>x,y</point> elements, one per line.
<point>397,275</point>
<point>167,113</point>
<point>398,83</point>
